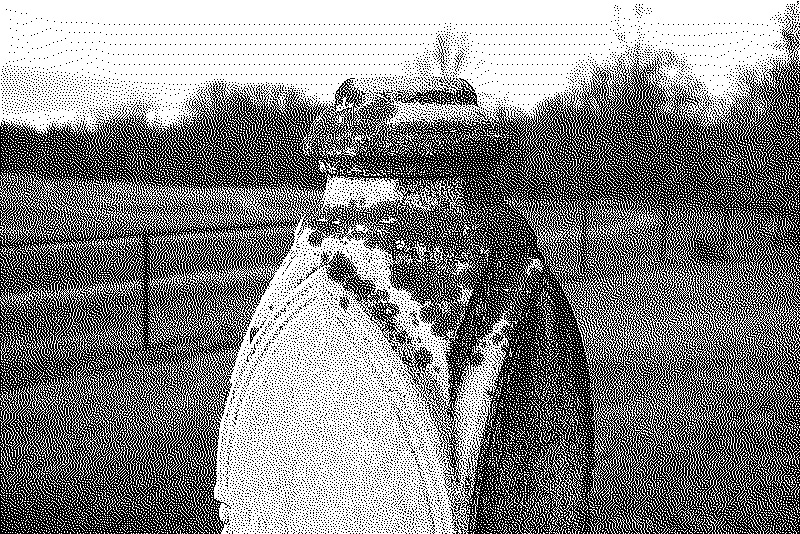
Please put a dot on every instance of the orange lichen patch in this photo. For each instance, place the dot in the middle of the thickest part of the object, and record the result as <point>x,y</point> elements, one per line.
<point>430,255</point>
<point>341,270</point>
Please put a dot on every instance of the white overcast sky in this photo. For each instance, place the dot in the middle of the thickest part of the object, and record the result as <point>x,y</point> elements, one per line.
<point>66,60</point>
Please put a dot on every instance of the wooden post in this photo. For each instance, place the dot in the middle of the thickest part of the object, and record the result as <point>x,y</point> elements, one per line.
<point>146,292</point>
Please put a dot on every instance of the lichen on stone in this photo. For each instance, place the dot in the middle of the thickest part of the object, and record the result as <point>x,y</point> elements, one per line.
<point>397,126</point>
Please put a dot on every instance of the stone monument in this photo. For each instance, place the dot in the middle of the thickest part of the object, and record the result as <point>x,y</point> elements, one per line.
<point>413,366</point>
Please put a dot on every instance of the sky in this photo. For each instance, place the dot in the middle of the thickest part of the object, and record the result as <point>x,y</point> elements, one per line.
<point>67,61</point>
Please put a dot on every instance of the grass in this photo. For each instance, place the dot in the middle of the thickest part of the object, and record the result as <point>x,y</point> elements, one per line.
<point>697,417</point>
<point>38,210</point>
<point>62,302</point>
<point>694,376</point>
<point>46,336</point>
<point>115,449</point>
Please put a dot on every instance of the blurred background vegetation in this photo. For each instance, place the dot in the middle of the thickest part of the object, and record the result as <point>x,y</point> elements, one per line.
<point>230,135</point>
<point>697,397</point>
<point>638,127</point>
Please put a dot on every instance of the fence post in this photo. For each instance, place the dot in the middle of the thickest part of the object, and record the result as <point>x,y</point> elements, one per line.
<point>146,292</point>
<point>582,274</point>
<point>727,214</point>
<point>779,229</point>
<point>662,252</point>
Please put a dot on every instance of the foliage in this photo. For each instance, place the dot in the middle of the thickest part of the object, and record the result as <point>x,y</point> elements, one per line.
<point>230,135</point>
<point>643,126</point>
<point>639,126</point>
<point>760,130</point>
<point>447,57</point>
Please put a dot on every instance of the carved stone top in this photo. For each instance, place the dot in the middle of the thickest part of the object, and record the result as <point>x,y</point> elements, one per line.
<point>403,126</point>
<point>408,90</point>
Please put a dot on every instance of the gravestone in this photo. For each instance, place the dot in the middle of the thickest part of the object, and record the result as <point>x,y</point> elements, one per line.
<point>413,366</point>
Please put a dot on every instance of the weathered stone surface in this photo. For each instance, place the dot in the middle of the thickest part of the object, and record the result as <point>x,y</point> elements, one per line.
<point>415,304</point>
<point>420,89</point>
<point>404,127</point>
